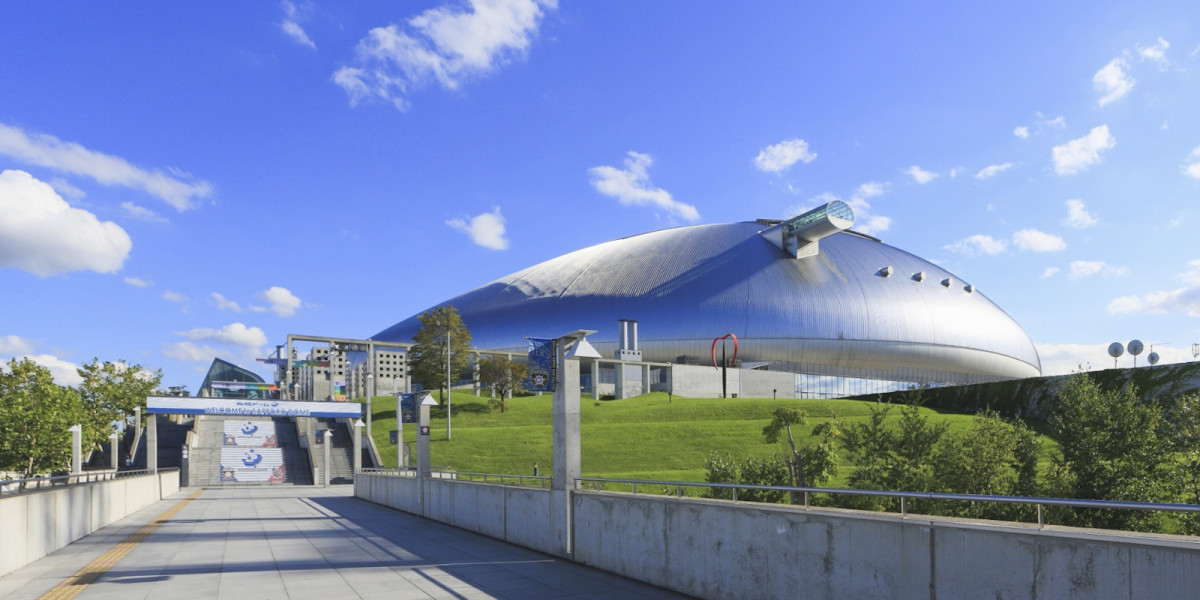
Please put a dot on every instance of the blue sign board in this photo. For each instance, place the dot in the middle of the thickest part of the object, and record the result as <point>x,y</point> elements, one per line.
<point>408,408</point>
<point>541,365</point>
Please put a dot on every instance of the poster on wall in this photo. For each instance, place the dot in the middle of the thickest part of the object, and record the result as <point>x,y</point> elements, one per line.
<point>255,434</point>
<point>253,464</point>
<point>541,365</point>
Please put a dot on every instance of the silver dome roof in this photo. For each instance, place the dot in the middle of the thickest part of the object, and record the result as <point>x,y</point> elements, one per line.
<point>858,308</point>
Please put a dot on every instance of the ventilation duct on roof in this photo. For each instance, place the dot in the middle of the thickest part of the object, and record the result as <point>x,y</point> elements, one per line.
<point>798,236</point>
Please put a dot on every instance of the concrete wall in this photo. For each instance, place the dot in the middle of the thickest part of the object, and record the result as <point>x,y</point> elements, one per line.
<point>39,522</point>
<point>719,549</point>
<point>518,515</point>
<point>703,381</point>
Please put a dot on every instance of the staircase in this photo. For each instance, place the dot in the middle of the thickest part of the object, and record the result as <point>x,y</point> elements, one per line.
<point>205,460</point>
<point>171,438</point>
<point>341,452</point>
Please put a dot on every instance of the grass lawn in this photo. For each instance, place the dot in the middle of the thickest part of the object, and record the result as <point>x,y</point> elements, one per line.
<point>645,437</point>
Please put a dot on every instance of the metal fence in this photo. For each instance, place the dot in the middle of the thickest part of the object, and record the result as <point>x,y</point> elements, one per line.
<point>904,497</point>
<point>33,484</point>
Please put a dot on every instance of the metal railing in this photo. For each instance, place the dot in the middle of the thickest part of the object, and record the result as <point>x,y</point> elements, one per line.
<point>904,497</point>
<point>540,481</point>
<point>33,484</point>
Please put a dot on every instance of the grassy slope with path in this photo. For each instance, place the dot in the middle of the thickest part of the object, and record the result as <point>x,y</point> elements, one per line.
<point>645,437</point>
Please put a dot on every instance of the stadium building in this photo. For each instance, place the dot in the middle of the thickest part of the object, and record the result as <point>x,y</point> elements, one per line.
<point>833,311</point>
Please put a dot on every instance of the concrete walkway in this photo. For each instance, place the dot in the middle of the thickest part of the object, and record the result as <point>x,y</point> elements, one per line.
<point>301,542</point>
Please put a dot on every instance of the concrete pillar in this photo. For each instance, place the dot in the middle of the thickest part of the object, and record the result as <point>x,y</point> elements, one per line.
<point>645,378</point>
<point>619,388</point>
<point>595,379</point>
<point>76,449</point>
<point>423,469</point>
<point>325,466</point>
<point>358,427</point>
<point>112,451</point>
<point>290,391</point>
<point>475,375</point>
<point>152,443</point>
<point>370,396</point>
<point>565,419</point>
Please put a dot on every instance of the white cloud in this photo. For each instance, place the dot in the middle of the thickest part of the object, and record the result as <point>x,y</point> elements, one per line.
<point>446,44</point>
<point>65,189</point>
<point>920,176</point>
<point>142,214</point>
<point>48,151</point>
<point>1193,169</point>
<point>1050,272</point>
<point>64,372</point>
<point>1185,299</point>
<point>1112,81</point>
<point>631,186</point>
<point>1156,53</point>
<point>11,345</point>
<point>189,352</point>
<point>174,297</point>
<point>138,282</point>
<point>1079,154</point>
<point>42,234</point>
<point>486,230</point>
<point>225,304</point>
<point>1037,241</point>
<point>282,301</point>
<point>978,244</point>
<point>1078,216</point>
<point>234,334</point>
<point>292,15</point>
<point>780,156</point>
<point>993,170</point>
<point>1065,359</point>
<point>1087,268</point>
<point>1021,132</point>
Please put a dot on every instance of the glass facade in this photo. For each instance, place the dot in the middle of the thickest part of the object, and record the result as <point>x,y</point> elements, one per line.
<point>227,380</point>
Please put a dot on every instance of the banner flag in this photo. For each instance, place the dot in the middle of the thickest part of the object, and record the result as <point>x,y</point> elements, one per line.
<point>542,367</point>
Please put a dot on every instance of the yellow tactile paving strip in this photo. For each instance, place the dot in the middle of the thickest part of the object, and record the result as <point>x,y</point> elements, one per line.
<point>73,585</point>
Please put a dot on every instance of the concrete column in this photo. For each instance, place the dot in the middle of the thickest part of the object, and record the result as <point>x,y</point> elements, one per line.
<point>423,468</point>
<point>325,467</point>
<point>645,379</point>
<point>475,375</point>
<point>565,419</point>
<point>595,379</point>
<point>76,449</point>
<point>290,391</point>
<point>112,451</point>
<point>370,396</point>
<point>358,427</point>
<point>619,389</point>
<point>152,443</point>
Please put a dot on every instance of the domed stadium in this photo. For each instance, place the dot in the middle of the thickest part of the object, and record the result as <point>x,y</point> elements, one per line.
<point>806,295</point>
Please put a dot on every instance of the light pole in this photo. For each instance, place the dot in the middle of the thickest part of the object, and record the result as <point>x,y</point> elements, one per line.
<point>370,393</point>
<point>447,376</point>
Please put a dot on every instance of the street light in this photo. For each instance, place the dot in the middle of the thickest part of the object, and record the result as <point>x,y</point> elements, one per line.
<point>447,376</point>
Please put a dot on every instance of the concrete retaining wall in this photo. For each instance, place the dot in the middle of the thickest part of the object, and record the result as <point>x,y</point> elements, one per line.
<point>714,549</point>
<point>718,549</point>
<point>518,515</point>
<point>39,522</point>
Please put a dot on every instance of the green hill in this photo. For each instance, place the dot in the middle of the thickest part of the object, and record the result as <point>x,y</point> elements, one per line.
<point>645,437</point>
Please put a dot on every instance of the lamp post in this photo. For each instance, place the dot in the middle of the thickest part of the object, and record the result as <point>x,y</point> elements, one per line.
<point>370,393</point>
<point>447,377</point>
<point>670,382</point>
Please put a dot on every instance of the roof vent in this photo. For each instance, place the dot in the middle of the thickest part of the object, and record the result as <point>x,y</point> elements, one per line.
<point>885,272</point>
<point>798,236</point>
<point>919,276</point>
<point>947,282</point>
<point>970,288</point>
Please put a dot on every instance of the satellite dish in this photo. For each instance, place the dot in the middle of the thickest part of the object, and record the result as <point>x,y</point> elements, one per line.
<point>1153,358</point>
<point>1115,349</point>
<point>1135,347</point>
<point>1195,350</point>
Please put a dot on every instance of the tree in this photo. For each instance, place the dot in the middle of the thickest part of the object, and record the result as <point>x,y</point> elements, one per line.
<point>110,392</point>
<point>1184,419</point>
<point>440,327</point>
<point>995,457</point>
<point>503,375</point>
<point>892,458</point>
<point>35,414</point>
<point>1113,448</point>
<point>811,464</point>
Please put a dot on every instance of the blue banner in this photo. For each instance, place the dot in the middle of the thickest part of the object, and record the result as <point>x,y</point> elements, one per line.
<point>408,408</point>
<point>541,365</point>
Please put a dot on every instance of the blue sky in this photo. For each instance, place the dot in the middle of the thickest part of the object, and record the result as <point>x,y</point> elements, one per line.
<point>180,181</point>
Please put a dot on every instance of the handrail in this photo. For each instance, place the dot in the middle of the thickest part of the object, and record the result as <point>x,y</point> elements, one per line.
<point>18,486</point>
<point>1039,502</point>
<point>541,480</point>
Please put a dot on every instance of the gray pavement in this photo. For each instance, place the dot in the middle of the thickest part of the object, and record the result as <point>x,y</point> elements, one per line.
<point>309,542</point>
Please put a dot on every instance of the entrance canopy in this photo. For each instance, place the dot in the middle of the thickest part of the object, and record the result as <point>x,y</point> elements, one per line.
<point>177,405</point>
